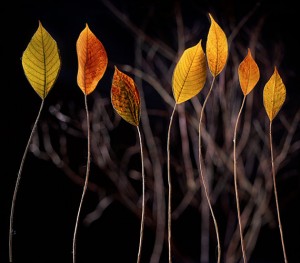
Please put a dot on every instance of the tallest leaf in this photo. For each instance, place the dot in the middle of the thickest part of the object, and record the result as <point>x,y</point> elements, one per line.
<point>216,48</point>
<point>41,61</point>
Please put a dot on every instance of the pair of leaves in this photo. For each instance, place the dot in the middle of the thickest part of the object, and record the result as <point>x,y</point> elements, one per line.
<point>274,92</point>
<point>41,61</point>
<point>189,75</point>
<point>92,63</point>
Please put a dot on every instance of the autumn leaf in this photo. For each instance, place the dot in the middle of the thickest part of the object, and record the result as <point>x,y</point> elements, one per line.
<point>216,48</point>
<point>92,60</point>
<point>125,97</point>
<point>189,74</point>
<point>249,74</point>
<point>274,95</point>
<point>41,61</point>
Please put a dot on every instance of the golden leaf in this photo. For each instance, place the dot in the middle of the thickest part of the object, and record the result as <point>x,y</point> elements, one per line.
<point>41,61</point>
<point>274,95</point>
<point>216,48</point>
<point>248,73</point>
<point>92,60</point>
<point>189,74</point>
<point>125,97</point>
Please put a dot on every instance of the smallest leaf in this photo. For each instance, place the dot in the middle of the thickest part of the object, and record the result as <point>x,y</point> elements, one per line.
<point>125,97</point>
<point>249,74</point>
<point>274,95</point>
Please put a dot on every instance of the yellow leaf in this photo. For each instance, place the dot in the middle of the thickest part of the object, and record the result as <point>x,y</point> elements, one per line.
<point>189,74</point>
<point>92,60</point>
<point>125,97</point>
<point>274,95</point>
<point>248,73</point>
<point>41,61</point>
<point>216,48</point>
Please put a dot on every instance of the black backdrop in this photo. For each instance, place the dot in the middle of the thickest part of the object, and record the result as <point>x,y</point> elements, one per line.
<point>47,201</point>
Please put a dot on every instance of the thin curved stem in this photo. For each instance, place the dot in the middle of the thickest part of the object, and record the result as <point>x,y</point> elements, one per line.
<point>12,211</point>
<point>201,172</point>
<point>276,197</point>
<point>143,199</point>
<point>86,179</point>
<point>170,187</point>
<point>235,181</point>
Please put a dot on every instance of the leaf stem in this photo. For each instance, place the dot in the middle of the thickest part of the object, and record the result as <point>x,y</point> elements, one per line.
<point>201,172</point>
<point>170,186</point>
<point>143,199</point>
<point>235,181</point>
<point>275,194</point>
<point>86,179</point>
<point>12,211</point>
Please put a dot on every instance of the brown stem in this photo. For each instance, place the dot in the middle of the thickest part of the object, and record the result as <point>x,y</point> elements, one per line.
<point>202,176</point>
<point>170,187</point>
<point>235,182</point>
<point>276,197</point>
<point>86,179</point>
<point>143,200</point>
<point>11,219</point>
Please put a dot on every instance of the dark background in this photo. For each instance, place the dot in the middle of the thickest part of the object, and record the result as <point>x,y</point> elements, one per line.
<point>47,201</point>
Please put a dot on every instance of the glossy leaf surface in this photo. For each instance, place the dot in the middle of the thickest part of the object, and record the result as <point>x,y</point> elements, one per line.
<point>189,74</point>
<point>216,48</point>
<point>249,74</point>
<point>274,95</point>
<point>92,60</point>
<point>41,61</point>
<point>125,97</point>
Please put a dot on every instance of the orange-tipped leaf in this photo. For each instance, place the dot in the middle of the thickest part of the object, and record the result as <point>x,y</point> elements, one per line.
<point>274,95</point>
<point>125,97</point>
<point>92,60</point>
<point>41,61</point>
<point>189,75</point>
<point>216,48</point>
<point>249,74</point>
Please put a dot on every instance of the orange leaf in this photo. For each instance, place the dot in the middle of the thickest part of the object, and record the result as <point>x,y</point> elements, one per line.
<point>189,74</point>
<point>92,60</point>
<point>216,48</point>
<point>248,73</point>
<point>125,97</point>
<point>274,95</point>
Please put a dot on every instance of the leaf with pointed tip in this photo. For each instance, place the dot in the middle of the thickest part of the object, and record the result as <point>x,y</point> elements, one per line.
<point>216,48</point>
<point>274,95</point>
<point>92,60</point>
<point>125,97</point>
<point>189,75</point>
<point>249,74</point>
<point>41,61</point>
